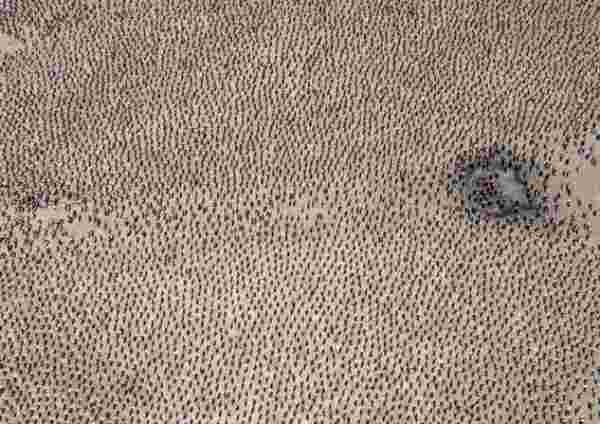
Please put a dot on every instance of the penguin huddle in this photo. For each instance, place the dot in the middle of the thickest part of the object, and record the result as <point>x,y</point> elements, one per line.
<point>494,186</point>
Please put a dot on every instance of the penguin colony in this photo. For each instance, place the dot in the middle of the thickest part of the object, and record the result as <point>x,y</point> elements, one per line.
<point>243,213</point>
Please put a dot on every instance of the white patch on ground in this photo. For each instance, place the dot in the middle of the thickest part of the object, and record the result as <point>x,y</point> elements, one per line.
<point>9,45</point>
<point>586,187</point>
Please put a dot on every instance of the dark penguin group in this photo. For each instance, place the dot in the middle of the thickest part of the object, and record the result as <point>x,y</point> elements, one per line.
<point>494,186</point>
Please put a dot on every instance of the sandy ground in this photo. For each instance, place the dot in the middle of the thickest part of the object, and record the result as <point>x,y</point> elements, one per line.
<point>248,220</point>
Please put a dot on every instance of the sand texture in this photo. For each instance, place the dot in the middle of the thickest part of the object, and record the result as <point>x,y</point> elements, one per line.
<point>248,216</point>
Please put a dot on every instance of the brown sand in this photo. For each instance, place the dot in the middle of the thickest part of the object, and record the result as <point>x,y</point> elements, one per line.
<point>249,221</point>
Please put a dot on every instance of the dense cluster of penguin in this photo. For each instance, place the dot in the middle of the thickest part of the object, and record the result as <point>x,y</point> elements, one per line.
<point>495,188</point>
<point>262,213</point>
